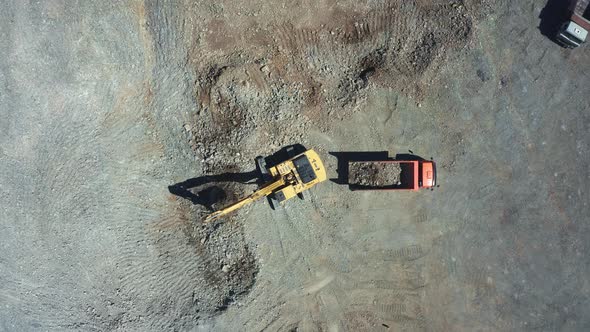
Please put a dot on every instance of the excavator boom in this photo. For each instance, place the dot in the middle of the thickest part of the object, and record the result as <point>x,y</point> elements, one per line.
<point>262,192</point>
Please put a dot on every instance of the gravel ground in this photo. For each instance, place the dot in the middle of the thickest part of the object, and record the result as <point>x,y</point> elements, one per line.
<point>124,123</point>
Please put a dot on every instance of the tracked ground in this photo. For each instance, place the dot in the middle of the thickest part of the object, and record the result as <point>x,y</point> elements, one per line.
<point>257,95</point>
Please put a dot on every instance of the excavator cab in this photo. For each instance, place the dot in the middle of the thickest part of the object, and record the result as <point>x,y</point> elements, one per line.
<point>301,175</point>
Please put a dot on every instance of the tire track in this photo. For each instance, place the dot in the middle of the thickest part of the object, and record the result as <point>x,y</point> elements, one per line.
<point>407,254</point>
<point>157,266</point>
<point>61,179</point>
<point>297,40</point>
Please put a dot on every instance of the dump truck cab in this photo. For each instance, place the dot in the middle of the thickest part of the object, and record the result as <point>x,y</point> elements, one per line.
<point>574,31</point>
<point>427,172</point>
<point>571,35</point>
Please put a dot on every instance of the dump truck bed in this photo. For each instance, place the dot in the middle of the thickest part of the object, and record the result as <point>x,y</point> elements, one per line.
<point>383,175</point>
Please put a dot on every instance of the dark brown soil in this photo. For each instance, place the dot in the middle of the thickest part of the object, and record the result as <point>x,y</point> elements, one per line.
<point>374,174</point>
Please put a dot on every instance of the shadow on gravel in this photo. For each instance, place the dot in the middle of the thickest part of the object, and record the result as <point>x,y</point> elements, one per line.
<point>207,197</point>
<point>552,16</point>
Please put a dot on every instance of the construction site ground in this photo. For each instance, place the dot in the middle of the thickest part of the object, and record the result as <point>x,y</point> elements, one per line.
<point>123,123</point>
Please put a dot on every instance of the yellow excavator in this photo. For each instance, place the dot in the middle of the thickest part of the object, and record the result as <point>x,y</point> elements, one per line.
<point>283,181</point>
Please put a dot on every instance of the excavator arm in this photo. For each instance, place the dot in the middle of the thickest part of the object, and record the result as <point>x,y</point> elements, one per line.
<point>262,192</point>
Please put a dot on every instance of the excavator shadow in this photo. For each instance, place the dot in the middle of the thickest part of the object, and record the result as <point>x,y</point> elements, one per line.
<point>207,195</point>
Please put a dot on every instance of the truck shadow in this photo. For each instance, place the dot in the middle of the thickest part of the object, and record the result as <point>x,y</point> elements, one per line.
<point>552,16</point>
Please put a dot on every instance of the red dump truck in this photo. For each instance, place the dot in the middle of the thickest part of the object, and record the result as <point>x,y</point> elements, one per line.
<point>392,174</point>
<point>574,31</point>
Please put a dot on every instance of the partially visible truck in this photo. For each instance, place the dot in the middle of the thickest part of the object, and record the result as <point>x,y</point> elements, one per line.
<point>574,31</point>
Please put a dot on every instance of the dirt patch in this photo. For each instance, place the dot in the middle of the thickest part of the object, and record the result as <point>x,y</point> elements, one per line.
<point>374,174</point>
<point>228,266</point>
<point>242,115</point>
<point>253,98</point>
